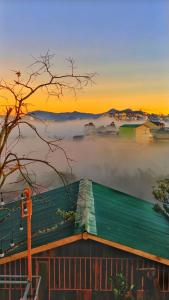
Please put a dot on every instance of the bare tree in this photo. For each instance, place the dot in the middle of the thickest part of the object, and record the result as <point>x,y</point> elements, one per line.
<point>41,77</point>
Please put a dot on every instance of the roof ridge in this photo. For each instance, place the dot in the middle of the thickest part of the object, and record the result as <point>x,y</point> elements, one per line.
<point>85,212</point>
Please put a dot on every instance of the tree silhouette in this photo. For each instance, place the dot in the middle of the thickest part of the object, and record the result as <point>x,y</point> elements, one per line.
<point>41,77</point>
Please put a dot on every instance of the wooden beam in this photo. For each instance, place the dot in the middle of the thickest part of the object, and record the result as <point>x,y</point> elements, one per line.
<point>128,249</point>
<point>42,248</point>
<point>85,236</point>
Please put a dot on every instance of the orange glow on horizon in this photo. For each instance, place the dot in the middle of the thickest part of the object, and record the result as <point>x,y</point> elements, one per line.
<point>133,88</point>
<point>96,104</point>
<point>99,99</point>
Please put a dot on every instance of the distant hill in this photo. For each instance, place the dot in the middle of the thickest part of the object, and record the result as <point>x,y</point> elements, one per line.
<point>44,115</point>
<point>75,115</point>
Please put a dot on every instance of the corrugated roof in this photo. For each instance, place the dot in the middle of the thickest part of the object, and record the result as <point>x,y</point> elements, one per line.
<point>47,224</point>
<point>130,221</point>
<point>131,125</point>
<point>99,210</point>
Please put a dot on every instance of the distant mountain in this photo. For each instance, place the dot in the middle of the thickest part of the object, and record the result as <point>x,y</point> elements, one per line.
<point>75,115</point>
<point>44,115</point>
<point>112,111</point>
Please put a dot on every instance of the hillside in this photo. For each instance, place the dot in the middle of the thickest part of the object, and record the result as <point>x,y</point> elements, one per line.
<point>44,115</point>
<point>75,115</point>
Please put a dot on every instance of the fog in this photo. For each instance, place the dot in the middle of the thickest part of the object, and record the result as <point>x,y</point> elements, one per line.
<point>115,162</point>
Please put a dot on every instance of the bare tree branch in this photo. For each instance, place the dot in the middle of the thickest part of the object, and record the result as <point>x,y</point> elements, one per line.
<point>41,77</point>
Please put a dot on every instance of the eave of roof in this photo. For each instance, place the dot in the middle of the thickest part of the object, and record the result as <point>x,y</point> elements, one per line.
<point>131,125</point>
<point>83,236</point>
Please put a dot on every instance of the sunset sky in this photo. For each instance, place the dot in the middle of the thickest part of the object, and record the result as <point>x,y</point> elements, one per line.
<point>125,41</point>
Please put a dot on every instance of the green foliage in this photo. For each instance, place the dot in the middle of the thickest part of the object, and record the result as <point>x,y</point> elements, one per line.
<point>120,287</point>
<point>66,215</point>
<point>161,190</point>
<point>157,208</point>
<point>166,208</point>
<point>161,193</point>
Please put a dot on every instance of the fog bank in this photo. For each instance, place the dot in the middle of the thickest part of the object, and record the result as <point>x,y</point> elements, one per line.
<point>118,163</point>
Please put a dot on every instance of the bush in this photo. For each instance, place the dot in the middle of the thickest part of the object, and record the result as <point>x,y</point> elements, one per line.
<point>120,288</point>
<point>157,208</point>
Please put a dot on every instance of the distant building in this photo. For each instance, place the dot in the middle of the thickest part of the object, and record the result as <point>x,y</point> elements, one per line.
<point>116,116</point>
<point>165,118</point>
<point>123,116</point>
<point>120,116</point>
<point>155,127</point>
<point>111,129</point>
<point>154,124</point>
<point>154,117</point>
<point>128,115</point>
<point>90,128</point>
<point>162,134</point>
<point>107,130</point>
<point>101,129</point>
<point>140,132</point>
<point>159,124</point>
<point>78,137</point>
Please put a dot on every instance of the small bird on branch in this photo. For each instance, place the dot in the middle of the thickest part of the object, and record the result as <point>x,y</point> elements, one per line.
<point>18,74</point>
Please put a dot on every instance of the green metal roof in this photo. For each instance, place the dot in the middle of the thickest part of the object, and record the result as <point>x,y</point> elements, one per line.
<point>47,224</point>
<point>130,221</point>
<point>99,210</point>
<point>130,125</point>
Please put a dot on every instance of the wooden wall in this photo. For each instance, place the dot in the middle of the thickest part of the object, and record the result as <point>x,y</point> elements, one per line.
<point>81,271</point>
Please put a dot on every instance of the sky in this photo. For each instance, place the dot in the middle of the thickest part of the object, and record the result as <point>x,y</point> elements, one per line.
<point>125,42</point>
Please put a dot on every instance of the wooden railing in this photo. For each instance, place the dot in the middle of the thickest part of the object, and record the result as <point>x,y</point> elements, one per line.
<point>85,273</point>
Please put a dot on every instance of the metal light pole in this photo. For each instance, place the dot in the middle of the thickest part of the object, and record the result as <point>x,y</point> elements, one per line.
<point>26,212</point>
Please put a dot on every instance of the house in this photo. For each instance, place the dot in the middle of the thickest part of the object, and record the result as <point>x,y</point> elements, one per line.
<point>156,128</point>
<point>104,232</point>
<point>101,129</point>
<point>139,132</point>
<point>121,115</point>
<point>116,116</point>
<point>159,124</point>
<point>162,134</point>
<point>107,130</point>
<point>154,125</point>
<point>110,129</point>
<point>90,128</point>
<point>78,137</point>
